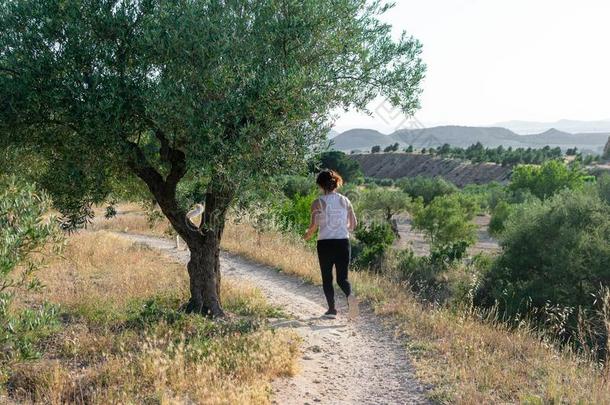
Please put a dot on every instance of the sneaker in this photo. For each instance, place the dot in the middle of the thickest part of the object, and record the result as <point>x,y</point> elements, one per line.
<point>352,303</point>
<point>330,314</point>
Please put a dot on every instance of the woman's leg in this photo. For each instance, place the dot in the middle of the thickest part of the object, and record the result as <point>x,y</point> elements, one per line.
<point>342,257</point>
<point>325,257</point>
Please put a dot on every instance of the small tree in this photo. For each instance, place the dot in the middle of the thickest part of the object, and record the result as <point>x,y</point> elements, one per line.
<point>384,202</point>
<point>376,149</point>
<point>224,93</point>
<point>426,187</point>
<point>545,180</point>
<point>446,220</point>
<point>391,148</point>
<point>348,168</point>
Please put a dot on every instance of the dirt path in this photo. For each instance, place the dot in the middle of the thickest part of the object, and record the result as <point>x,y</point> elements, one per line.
<point>342,362</point>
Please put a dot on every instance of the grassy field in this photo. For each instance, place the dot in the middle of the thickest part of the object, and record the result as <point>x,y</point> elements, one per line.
<point>466,358</point>
<point>120,338</point>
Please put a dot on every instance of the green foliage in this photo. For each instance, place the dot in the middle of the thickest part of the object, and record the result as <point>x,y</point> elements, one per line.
<point>297,185</point>
<point>98,91</point>
<point>499,216</point>
<point>382,202</point>
<point>338,161</point>
<point>376,149</point>
<point>555,252</point>
<point>374,240</point>
<point>446,220</point>
<point>22,233</point>
<point>477,153</point>
<point>487,195</point>
<point>603,187</point>
<point>545,180</point>
<point>426,187</point>
<point>294,215</point>
<point>391,148</point>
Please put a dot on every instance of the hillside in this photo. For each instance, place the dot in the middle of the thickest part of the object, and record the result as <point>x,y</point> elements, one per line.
<point>397,165</point>
<point>364,139</point>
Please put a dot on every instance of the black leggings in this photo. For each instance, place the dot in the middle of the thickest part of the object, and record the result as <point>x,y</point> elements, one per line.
<point>334,252</point>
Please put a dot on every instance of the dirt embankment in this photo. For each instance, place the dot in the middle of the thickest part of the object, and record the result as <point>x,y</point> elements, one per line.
<point>461,173</point>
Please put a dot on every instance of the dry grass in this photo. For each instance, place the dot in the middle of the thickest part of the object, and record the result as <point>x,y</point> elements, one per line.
<point>123,339</point>
<point>130,218</point>
<point>467,360</point>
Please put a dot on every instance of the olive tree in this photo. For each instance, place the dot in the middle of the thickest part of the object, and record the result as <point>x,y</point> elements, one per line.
<point>384,202</point>
<point>228,92</point>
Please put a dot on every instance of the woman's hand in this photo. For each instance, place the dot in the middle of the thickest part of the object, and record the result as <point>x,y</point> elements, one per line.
<point>309,233</point>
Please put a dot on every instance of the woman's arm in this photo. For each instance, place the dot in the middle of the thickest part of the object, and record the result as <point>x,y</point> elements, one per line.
<point>352,222</point>
<point>313,223</point>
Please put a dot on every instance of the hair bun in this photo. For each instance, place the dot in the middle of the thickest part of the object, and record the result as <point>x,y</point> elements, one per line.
<point>329,180</point>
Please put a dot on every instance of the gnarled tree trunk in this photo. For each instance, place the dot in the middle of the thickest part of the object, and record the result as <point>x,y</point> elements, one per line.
<point>204,277</point>
<point>203,242</point>
<point>204,265</point>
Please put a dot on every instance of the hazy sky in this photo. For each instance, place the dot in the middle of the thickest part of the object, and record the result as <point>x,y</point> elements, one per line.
<point>500,60</point>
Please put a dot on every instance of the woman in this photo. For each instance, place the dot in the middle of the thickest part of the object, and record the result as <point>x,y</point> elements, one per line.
<point>332,214</point>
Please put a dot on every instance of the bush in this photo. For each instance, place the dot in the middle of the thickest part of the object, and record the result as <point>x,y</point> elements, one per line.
<point>297,185</point>
<point>446,220</point>
<point>294,215</point>
<point>487,195</point>
<point>499,216</point>
<point>603,187</point>
<point>382,203</point>
<point>374,239</point>
<point>22,232</point>
<point>427,188</point>
<point>338,161</point>
<point>549,178</point>
<point>555,253</point>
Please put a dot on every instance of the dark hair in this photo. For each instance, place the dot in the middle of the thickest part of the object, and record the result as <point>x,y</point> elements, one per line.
<point>329,180</point>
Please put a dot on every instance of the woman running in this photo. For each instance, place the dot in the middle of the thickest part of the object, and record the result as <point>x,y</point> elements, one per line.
<point>332,214</point>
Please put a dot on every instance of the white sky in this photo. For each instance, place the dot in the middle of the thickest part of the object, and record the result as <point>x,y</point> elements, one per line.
<point>499,60</point>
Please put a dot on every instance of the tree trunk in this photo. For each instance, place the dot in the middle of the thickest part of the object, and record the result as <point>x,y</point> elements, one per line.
<point>204,242</point>
<point>204,265</point>
<point>204,277</point>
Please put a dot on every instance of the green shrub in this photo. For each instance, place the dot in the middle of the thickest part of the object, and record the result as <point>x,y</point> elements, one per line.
<point>22,232</point>
<point>338,161</point>
<point>297,185</point>
<point>427,188</point>
<point>446,220</point>
<point>383,203</point>
<point>554,254</point>
<point>373,241</point>
<point>603,187</point>
<point>499,216</point>
<point>547,179</point>
<point>488,195</point>
<point>294,215</point>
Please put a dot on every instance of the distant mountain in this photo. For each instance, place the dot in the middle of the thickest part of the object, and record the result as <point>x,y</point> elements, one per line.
<point>360,139</point>
<point>365,139</point>
<point>570,126</point>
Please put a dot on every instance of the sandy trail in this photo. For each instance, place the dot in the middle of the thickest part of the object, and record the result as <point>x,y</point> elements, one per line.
<point>342,362</point>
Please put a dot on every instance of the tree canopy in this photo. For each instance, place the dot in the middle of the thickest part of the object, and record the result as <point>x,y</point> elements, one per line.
<point>226,92</point>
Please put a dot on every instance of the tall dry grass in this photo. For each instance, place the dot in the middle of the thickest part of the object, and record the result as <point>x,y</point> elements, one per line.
<point>123,339</point>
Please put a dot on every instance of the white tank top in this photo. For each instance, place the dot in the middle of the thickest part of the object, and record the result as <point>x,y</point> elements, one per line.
<point>332,216</point>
